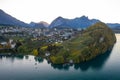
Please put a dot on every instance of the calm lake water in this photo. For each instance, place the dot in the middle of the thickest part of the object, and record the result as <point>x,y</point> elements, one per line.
<point>104,67</point>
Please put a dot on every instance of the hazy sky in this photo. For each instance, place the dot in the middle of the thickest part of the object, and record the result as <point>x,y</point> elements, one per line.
<point>48,10</point>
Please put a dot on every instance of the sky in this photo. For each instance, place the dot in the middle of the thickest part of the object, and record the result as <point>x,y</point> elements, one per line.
<point>107,11</point>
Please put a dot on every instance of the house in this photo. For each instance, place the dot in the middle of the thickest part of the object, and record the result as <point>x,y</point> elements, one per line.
<point>3,43</point>
<point>47,54</point>
<point>71,61</point>
<point>12,43</point>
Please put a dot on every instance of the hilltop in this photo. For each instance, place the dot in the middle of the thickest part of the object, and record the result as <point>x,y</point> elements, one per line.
<point>80,22</point>
<point>95,40</point>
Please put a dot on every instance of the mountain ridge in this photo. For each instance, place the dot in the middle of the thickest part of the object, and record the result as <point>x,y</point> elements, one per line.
<point>79,22</point>
<point>59,22</point>
<point>6,19</point>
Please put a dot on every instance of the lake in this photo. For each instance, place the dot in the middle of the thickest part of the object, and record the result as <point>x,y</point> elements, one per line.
<point>103,67</point>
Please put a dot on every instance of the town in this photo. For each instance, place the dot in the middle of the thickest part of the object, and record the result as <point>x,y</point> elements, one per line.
<point>53,35</point>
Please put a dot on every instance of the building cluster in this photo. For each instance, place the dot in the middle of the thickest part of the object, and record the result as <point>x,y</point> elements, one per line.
<point>49,35</point>
<point>10,44</point>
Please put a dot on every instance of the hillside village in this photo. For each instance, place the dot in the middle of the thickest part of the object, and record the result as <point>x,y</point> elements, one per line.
<point>53,35</point>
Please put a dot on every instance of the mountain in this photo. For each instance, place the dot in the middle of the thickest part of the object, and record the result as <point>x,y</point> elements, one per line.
<point>6,19</point>
<point>59,22</point>
<point>114,25</point>
<point>41,24</point>
<point>81,22</point>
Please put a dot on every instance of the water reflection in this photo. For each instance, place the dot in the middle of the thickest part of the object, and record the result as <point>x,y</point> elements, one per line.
<point>11,56</point>
<point>26,57</point>
<point>39,59</point>
<point>96,63</point>
<point>61,66</point>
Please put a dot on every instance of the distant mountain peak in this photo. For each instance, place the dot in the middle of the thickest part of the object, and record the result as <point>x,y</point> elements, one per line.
<point>59,17</point>
<point>41,24</point>
<point>79,22</point>
<point>84,17</point>
<point>1,11</point>
<point>44,23</point>
<point>6,19</point>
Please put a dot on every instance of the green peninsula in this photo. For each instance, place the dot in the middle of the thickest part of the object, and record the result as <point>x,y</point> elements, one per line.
<point>95,40</point>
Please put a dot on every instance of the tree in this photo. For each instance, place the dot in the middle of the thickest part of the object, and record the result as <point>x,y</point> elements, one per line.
<point>35,52</point>
<point>57,59</point>
<point>1,46</point>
